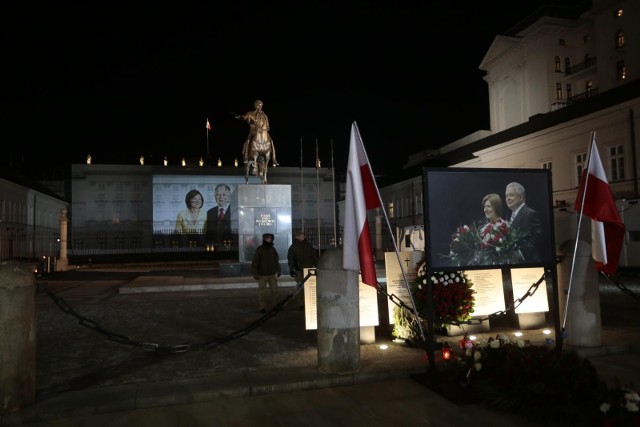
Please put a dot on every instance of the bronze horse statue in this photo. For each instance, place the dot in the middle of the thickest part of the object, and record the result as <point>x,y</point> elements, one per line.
<point>259,152</point>
<point>258,149</point>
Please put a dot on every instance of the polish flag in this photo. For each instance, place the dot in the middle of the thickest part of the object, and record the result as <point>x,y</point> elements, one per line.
<point>361,195</point>
<point>208,125</point>
<point>607,230</point>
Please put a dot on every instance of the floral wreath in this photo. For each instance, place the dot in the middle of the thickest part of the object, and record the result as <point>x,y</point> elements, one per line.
<point>453,296</point>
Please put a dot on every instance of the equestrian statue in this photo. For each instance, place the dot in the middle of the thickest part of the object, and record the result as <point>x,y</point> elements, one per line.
<point>258,149</point>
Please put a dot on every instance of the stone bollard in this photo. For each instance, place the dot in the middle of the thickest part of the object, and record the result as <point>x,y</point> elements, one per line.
<point>583,325</point>
<point>17,336</point>
<point>338,299</point>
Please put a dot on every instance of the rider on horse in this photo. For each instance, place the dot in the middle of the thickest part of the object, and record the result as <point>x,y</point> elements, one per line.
<point>258,122</point>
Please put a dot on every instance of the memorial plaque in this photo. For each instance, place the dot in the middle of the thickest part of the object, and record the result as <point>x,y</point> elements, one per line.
<point>522,279</point>
<point>489,291</point>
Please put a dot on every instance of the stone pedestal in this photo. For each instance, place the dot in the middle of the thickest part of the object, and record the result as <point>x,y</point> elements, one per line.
<point>17,336</point>
<point>338,316</point>
<point>263,208</point>
<point>583,325</point>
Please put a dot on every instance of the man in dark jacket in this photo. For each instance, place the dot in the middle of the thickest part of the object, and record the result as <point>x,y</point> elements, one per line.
<point>265,268</point>
<point>525,220</point>
<point>301,255</point>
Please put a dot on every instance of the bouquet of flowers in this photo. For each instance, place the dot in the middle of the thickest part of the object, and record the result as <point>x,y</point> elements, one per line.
<point>494,243</point>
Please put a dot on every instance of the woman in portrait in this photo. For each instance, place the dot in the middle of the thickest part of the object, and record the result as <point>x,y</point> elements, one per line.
<point>492,208</point>
<point>193,218</point>
<point>498,243</point>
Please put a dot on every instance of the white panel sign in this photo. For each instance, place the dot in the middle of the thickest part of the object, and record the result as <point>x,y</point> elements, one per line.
<point>489,291</point>
<point>395,281</point>
<point>522,279</point>
<point>368,303</point>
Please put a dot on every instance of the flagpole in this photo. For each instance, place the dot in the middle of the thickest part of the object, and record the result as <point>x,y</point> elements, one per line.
<point>318,195</point>
<point>384,211</point>
<point>575,249</point>
<point>301,186</point>
<point>333,186</point>
<point>208,127</point>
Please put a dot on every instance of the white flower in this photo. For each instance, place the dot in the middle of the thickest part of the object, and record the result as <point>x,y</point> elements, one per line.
<point>494,344</point>
<point>478,366</point>
<point>521,343</point>
<point>632,396</point>
<point>477,355</point>
<point>604,408</point>
<point>467,352</point>
<point>632,407</point>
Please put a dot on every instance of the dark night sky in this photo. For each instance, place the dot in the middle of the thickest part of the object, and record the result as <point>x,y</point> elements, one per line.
<point>120,83</point>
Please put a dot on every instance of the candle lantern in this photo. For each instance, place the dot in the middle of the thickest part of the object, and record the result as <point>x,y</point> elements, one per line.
<point>446,352</point>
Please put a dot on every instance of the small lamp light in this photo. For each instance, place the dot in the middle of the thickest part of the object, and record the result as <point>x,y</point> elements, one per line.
<point>166,161</point>
<point>446,352</point>
<point>89,159</point>
<point>141,160</point>
<point>235,162</point>
<point>201,162</point>
<point>184,162</point>
<point>219,162</point>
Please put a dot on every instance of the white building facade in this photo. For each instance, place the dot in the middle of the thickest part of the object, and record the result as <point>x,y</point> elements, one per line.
<point>553,81</point>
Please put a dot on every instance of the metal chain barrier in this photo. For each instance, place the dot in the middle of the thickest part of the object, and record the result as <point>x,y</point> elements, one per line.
<point>477,321</point>
<point>622,287</point>
<point>179,348</point>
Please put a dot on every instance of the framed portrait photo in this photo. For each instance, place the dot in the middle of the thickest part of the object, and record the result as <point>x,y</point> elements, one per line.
<point>477,218</point>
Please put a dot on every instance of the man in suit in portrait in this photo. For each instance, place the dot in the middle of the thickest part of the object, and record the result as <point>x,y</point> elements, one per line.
<point>525,221</point>
<point>219,217</point>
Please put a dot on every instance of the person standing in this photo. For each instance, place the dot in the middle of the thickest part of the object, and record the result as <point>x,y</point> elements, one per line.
<point>265,268</point>
<point>524,219</point>
<point>219,217</point>
<point>301,255</point>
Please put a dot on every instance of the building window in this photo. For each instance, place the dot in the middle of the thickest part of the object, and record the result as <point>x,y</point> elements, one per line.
<point>581,163</point>
<point>569,91</point>
<point>557,62</point>
<point>588,87</point>
<point>619,38</point>
<point>546,165</point>
<point>587,60</point>
<point>619,13</point>
<point>390,210</point>
<point>616,160</point>
<point>621,70</point>
<point>558,90</point>
<point>567,64</point>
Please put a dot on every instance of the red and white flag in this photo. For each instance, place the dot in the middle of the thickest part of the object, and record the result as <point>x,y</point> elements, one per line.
<point>361,195</point>
<point>208,125</point>
<point>598,203</point>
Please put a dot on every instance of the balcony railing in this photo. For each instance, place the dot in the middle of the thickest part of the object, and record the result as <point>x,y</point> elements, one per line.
<point>589,63</point>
